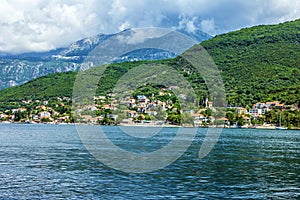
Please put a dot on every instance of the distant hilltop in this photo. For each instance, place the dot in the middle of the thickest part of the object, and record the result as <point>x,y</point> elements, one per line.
<point>18,69</point>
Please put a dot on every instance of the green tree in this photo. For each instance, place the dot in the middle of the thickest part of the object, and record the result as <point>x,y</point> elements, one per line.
<point>174,118</point>
<point>231,116</point>
<point>161,114</point>
<point>240,121</point>
<point>187,118</point>
<point>18,116</point>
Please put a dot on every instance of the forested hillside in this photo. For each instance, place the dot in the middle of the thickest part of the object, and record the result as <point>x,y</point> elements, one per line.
<point>257,64</point>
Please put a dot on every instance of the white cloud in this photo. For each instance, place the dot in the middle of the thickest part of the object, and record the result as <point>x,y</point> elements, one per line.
<point>124,26</point>
<point>138,36</point>
<point>43,25</point>
<point>40,25</point>
<point>187,23</point>
<point>208,26</point>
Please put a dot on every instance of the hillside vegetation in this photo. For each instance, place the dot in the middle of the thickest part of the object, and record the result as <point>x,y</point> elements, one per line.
<point>260,63</point>
<point>43,88</point>
<point>257,64</point>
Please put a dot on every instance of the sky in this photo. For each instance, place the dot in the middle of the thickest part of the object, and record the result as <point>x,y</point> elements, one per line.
<point>42,25</point>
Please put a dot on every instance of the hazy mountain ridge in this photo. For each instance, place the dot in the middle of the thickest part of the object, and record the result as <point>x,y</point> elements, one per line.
<point>78,50</point>
<point>15,72</point>
<point>18,69</point>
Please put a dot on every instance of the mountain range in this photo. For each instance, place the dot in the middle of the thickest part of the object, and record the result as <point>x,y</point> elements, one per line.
<point>259,63</point>
<point>19,69</point>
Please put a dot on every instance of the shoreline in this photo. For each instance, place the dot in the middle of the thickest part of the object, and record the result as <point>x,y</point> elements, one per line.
<point>152,125</point>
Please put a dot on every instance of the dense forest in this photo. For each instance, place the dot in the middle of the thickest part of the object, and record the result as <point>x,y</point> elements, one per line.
<point>257,64</point>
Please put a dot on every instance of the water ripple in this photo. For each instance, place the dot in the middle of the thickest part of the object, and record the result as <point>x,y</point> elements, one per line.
<point>49,162</point>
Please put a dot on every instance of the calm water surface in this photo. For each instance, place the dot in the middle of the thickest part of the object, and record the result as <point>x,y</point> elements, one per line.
<point>50,162</point>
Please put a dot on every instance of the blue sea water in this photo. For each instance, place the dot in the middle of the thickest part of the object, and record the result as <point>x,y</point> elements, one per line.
<point>50,162</point>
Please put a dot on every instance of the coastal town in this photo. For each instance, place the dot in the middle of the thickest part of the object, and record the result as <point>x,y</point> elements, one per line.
<point>161,109</point>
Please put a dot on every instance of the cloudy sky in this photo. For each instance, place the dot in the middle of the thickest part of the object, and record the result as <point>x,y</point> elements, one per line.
<point>40,25</point>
